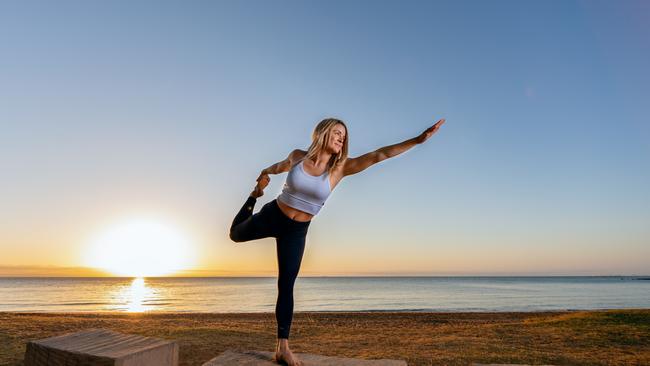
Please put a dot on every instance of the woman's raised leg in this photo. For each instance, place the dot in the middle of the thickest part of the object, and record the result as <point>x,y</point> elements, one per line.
<point>245,212</point>
<point>248,226</point>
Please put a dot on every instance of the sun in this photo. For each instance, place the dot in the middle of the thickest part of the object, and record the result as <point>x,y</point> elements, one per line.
<point>140,247</point>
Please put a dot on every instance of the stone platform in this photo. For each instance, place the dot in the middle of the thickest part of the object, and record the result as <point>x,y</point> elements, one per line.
<point>503,364</point>
<point>265,358</point>
<point>101,347</point>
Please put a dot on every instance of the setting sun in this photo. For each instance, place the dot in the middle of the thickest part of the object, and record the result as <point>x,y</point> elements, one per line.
<point>140,247</point>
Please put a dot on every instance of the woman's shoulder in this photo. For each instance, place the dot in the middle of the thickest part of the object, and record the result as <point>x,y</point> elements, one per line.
<point>296,155</point>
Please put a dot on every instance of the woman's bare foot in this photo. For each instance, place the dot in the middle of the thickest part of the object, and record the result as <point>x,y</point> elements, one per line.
<point>257,192</point>
<point>285,354</point>
<point>262,182</point>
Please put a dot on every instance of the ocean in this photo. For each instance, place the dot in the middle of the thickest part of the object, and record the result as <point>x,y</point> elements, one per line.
<point>258,294</point>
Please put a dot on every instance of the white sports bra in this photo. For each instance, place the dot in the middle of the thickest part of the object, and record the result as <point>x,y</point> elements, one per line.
<point>305,192</point>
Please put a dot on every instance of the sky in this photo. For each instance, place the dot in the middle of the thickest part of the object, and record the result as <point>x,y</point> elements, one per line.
<point>167,111</point>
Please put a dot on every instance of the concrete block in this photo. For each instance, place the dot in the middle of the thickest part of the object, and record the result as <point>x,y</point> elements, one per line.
<point>503,364</point>
<point>264,358</point>
<point>101,347</point>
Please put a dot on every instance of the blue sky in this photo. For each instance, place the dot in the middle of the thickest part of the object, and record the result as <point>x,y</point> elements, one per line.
<point>170,109</point>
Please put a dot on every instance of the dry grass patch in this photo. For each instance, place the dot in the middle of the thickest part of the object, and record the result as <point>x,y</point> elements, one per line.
<point>612,337</point>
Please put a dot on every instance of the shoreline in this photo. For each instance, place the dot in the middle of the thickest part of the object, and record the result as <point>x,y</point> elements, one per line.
<point>352,312</point>
<point>581,337</point>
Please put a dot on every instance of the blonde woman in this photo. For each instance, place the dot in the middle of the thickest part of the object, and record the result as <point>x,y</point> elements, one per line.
<point>313,174</point>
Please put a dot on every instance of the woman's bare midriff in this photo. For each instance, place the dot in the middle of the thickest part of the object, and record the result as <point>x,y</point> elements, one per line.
<point>294,214</point>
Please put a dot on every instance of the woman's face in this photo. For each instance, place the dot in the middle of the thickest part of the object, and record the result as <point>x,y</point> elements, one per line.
<point>337,137</point>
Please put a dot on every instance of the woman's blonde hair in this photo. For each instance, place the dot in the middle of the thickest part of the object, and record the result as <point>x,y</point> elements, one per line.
<point>321,136</point>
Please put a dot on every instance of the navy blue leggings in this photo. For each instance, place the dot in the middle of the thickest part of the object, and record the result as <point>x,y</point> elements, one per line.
<point>289,235</point>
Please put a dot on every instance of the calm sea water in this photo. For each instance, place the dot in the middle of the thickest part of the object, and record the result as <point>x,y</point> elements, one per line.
<point>324,294</point>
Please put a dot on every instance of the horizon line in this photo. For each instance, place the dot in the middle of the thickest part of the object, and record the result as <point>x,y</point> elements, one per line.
<point>647,276</point>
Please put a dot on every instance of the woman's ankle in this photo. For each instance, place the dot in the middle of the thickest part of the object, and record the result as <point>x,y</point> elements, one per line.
<point>283,343</point>
<point>256,193</point>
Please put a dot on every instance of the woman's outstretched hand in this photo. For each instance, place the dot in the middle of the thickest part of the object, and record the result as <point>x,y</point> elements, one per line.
<point>429,132</point>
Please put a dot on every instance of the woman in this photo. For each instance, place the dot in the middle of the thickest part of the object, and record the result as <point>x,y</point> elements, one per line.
<point>313,174</point>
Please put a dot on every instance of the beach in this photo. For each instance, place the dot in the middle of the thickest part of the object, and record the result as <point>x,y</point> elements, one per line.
<point>593,337</point>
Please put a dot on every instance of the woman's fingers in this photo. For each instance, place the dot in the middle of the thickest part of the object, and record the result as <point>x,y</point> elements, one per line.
<point>438,124</point>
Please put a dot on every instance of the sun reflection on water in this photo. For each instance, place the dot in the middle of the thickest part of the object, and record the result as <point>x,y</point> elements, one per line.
<point>138,294</point>
<point>136,297</point>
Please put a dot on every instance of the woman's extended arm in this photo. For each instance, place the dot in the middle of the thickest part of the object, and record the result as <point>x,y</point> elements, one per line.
<point>356,165</point>
<point>279,167</point>
<point>276,168</point>
<point>282,166</point>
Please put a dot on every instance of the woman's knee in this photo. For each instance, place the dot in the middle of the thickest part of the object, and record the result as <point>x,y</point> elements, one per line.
<point>235,235</point>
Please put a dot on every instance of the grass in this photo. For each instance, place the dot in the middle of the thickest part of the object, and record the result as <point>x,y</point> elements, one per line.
<point>608,337</point>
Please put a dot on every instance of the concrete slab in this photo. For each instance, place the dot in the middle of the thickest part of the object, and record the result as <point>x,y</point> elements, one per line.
<point>504,364</point>
<point>101,347</point>
<point>265,358</point>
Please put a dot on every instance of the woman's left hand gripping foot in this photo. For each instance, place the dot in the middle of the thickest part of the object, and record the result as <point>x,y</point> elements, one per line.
<point>262,181</point>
